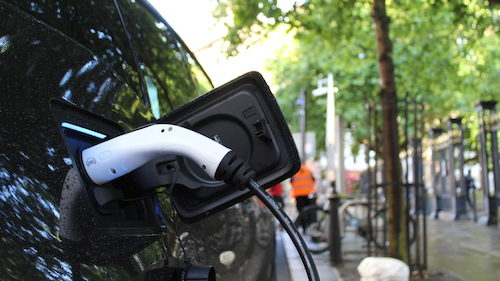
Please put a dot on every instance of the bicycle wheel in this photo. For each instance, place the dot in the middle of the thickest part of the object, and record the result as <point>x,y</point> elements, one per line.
<point>314,221</point>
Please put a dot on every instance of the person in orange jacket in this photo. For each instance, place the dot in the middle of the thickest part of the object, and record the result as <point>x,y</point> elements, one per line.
<point>302,187</point>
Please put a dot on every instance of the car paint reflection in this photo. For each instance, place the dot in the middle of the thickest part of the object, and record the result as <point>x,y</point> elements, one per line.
<point>36,170</point>
<point>4,44</point>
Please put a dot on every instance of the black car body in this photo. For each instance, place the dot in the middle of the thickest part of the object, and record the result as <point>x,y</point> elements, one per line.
<point>70,61</point>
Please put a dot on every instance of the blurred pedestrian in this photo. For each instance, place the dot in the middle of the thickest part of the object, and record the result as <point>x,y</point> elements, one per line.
<point>469,184</point>
<point>302,187</point>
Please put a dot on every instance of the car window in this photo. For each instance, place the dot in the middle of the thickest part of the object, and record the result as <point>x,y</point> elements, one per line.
<point>172,78</point>
<point>103,33</point>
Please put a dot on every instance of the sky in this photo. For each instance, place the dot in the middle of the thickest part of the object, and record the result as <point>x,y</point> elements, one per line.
<point>193,21</point>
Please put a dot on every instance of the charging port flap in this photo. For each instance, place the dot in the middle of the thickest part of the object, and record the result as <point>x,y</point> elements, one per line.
<point>244,116</point>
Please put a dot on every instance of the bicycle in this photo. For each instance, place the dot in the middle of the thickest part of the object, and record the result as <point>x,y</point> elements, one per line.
<point>319,227</point>
<point>353,214</point>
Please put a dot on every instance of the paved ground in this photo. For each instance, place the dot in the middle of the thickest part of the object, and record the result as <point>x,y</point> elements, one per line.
<point>457,250</point>
<point>282,268</point>
<point>297,272</point>
<point>465,248</point>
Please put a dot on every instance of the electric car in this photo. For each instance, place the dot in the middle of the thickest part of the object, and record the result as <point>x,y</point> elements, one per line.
<point>77,72</point>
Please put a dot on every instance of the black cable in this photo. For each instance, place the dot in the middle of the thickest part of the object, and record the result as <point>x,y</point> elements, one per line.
<point>235,172</point>
<point>290,228</point>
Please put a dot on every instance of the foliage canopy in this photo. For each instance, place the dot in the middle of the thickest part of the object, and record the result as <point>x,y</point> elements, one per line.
<point>445,53</point>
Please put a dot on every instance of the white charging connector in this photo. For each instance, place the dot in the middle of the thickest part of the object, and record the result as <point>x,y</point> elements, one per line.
<point>121,155</point>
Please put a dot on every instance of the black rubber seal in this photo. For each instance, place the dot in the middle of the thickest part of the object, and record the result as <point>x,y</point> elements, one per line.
<point>234,171</point>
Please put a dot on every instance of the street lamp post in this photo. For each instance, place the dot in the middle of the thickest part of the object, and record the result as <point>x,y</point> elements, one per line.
<point>329,90</point>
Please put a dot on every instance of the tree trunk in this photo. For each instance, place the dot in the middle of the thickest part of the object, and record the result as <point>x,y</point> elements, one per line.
<point>392,173</point>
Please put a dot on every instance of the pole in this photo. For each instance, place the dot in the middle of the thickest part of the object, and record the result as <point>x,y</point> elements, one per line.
<point>494,150</point>
<point>340,182</point>
<point>330,129</point>
<point>451,168</point>
<point>481,107</point>
<point>303,124</point>
<point>329,90</point>
<point>433,134</point>
<point>335,239</point>
<point>369,175</point>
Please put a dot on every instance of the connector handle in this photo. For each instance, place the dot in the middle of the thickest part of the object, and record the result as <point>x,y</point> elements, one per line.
<point>118,156</point>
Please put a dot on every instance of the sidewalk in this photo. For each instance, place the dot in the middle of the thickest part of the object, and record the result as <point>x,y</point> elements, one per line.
<point>457,250</point>
<point>296,267</point>
<point>465,248</point>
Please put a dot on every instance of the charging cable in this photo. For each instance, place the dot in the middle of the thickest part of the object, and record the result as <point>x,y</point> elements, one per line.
<point>121,155</point>
<point>290,228</point>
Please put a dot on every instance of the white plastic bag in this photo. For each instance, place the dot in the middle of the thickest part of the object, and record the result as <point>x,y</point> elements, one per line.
<point>383,269</point>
